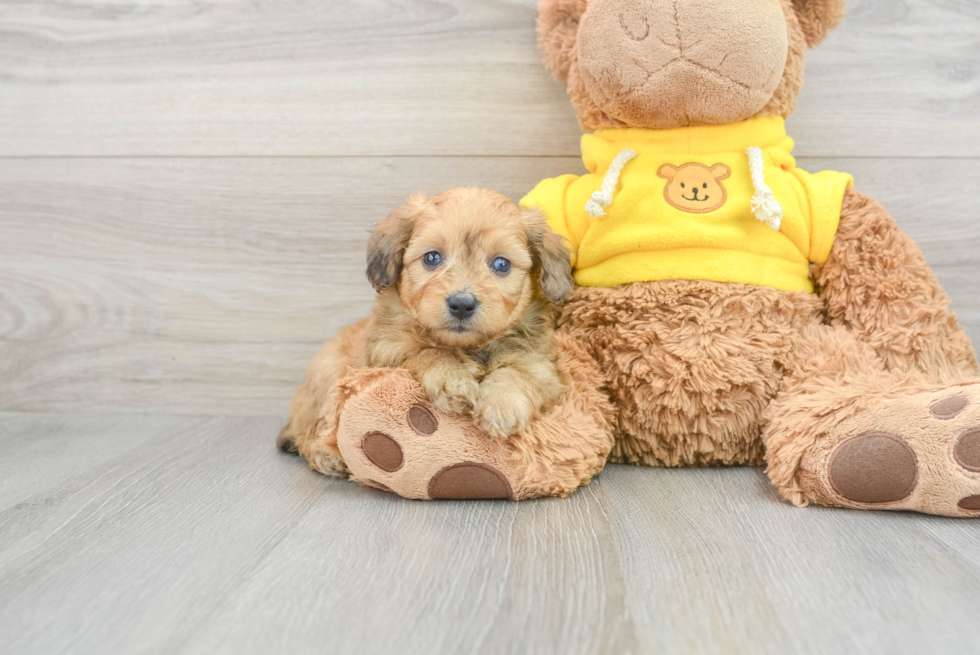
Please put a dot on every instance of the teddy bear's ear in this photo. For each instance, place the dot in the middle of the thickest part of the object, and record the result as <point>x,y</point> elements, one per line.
<point>818,17</point>
<point>558,32</point>
<point>721,172</point>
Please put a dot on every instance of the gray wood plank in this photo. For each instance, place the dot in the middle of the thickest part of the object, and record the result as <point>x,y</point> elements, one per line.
<point>203,286</point>
<point>38,452</point>
<point>130,556</point>
<point>717,552</point>
<point>203,539</point>
<point>435,578</point>
<point>420,77</point>
<point>211,541</point>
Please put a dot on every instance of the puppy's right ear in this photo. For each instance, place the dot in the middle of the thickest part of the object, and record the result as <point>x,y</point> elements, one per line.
<point>558,32</point>
<point>388,241</point>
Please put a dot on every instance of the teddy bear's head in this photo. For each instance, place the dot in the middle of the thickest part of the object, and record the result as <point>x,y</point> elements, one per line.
<point>662,64</point>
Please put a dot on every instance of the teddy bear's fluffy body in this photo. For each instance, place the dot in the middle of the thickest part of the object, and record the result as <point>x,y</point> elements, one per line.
<point>692,366</point>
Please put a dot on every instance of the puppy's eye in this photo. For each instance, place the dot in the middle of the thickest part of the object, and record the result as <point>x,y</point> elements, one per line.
<point>682,186</point>
<point>432,259</point>
<point>705,185</point>
<point>501,266</point>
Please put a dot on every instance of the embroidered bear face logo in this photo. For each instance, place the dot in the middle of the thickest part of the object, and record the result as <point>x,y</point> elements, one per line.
<point>694,187</point>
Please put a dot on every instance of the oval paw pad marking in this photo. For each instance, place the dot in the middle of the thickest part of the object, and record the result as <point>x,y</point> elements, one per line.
<point>967,450</point>
<point>422,421</point>
<point>383,451</point>
<point>875,467</point>
<point>469,481</point>
<point>970,502</point>
<point>948,408</point>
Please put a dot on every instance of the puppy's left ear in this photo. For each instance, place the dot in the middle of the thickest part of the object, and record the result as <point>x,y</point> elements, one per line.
<point>550,256</point>
<point>818,18</point>
<point>388,241</point>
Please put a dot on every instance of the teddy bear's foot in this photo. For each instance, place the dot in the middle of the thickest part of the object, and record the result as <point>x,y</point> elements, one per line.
<point>919,452</point>
<point>393,439</point>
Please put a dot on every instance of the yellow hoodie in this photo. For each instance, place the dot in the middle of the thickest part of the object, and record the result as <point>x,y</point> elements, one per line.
<point>682,207</point>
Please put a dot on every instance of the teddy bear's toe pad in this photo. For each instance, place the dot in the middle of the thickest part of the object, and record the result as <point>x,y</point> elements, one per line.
<point>875,467</point>
<point>422,421</point>
<point>970,502</point>
<point>471,481</point>
<point>949,408</point>
<point>383,451</point>
<point>967,451</point>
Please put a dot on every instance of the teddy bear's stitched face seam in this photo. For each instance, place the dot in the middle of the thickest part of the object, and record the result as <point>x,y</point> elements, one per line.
<point>680,57</point>
<point>628,29</point>
<point>677,31</point>
<point>663,80</point>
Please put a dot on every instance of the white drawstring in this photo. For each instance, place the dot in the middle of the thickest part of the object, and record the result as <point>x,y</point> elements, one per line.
<point>764,205</point>
<point>602,198</point>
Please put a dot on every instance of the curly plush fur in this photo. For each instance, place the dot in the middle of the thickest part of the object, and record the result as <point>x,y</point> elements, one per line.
<point>690,366</point>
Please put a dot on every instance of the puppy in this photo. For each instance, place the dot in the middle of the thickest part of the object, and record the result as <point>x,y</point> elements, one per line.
<point>466,282</point>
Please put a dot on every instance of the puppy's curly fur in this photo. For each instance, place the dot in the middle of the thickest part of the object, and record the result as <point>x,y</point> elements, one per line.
<point>467,284</point>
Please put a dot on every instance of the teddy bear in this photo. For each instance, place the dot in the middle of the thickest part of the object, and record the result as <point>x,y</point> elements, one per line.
<point>731,308</point>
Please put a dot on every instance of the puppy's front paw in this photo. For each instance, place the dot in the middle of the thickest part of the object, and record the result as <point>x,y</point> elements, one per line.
<point>453,391</point>
<point>502,412</point>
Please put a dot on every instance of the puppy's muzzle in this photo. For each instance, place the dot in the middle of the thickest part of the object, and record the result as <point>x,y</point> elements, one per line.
<point>462,306</point>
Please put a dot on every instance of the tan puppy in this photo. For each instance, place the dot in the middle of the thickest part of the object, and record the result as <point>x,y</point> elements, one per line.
<point>464,281</point>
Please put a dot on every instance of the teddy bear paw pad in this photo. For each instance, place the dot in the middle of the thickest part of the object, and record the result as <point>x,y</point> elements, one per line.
<point>967,450</point>
<point>422,421</point>
<point>970,503</point>
<point>875,467</point>
<point>469,481</point>
<point>949,408</point>
<point>383,451</point>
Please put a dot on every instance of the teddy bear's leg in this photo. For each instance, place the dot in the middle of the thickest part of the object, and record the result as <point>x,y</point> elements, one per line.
<point>877,284</point>
<point>881,408</point>
<point>846,431</point>
<point>392,438</point>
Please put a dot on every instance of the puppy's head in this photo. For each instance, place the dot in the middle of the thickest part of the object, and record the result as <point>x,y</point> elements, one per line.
<point>468,263</point>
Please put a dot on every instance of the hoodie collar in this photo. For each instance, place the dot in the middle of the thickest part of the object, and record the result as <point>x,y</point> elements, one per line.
<point>763,132</point>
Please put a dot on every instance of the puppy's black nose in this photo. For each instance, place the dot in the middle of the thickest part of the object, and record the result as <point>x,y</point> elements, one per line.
<point>462,305</point>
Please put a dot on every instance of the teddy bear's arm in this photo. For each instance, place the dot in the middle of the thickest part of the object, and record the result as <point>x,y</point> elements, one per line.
<point>877,283</point>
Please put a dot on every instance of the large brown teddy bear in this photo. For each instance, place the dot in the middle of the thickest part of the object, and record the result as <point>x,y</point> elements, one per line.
<point>732,308</point>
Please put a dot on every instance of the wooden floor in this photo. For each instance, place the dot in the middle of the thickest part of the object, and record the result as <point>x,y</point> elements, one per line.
<point>185,194</point>
<point>166,534</point>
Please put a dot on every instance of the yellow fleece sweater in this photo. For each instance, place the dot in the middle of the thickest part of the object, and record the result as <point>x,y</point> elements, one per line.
<point>683,208</point>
